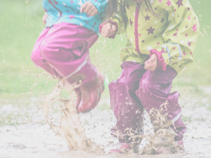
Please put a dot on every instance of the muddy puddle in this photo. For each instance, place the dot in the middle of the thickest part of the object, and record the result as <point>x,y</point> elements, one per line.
<point>35,139</point>
<point>68,126</point>
<point>71,129</point>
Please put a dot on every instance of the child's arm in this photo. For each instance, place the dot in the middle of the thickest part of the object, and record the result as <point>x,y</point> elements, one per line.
<point>93,7</point>
<point>180,36</point>
<point>108,29</point>
<point>44,18</point>
<point>89,9</point>
<point>118,21</point>
<point>101,5</point>
<point>152,63</point>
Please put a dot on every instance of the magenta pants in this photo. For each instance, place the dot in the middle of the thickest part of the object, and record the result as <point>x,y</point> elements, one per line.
<point>63,51</point>
<point>138,89</point>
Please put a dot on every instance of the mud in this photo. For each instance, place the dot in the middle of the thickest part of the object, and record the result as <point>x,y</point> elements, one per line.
<point>70,126</point>
<point>37,141</point>
<point>161,138</point>
<point>161,134</point>
<point>71,130</point>
<point>32,138</point>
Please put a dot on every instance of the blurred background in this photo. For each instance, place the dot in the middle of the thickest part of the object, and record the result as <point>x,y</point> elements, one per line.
<point>22,85</point>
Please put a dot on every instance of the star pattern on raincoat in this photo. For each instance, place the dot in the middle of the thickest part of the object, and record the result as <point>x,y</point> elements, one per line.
<point>128,6</point>
<point>194,28</point>
<point>162,20</point>
<point>179,3</point>
<point>131,22</point>
<point>175,34</point>
<point>147,17</point>
<point>168,3</point>
<point>150,30</point>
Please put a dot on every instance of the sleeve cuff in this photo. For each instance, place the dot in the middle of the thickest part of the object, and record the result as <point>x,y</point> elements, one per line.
<point>101,26</point>
<point>161,62</point>
<point>112,22</point>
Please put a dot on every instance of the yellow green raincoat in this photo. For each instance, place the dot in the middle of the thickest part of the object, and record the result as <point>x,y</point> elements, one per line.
<point>172,32</point>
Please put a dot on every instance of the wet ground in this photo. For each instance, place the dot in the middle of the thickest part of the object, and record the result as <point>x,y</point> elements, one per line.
<point>28,136</point>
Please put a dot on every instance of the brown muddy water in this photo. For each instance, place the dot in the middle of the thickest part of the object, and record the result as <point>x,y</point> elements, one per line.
<point>34,139</point>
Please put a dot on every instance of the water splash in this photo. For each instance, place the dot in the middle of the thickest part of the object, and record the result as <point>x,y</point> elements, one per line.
<point>70,127</point>
<point>163,136</point>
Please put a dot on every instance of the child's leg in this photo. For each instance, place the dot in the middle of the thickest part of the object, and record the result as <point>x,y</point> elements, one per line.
<point>66,49</point>
<point>126,106</point>
<point>154,90</point>
<point>38,59</point>
<point>40,62</point>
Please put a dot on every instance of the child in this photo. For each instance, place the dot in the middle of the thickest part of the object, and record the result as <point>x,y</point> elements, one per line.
<point>161,35</point>
<point>62,48</point>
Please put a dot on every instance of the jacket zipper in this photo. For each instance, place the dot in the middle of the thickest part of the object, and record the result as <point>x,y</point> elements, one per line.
<point>56,9</point>
<point>136,29</point>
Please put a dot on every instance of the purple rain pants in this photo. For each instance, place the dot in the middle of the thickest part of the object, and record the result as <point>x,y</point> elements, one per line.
<point>137,89</point>
<point>63,51</point>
